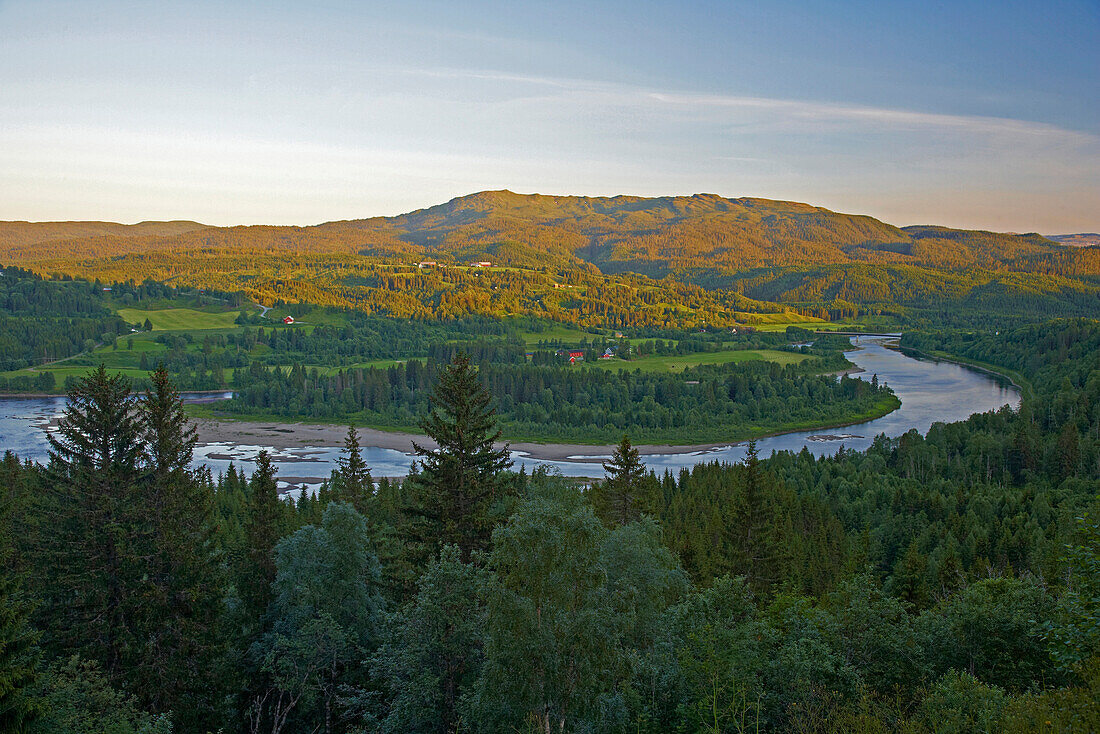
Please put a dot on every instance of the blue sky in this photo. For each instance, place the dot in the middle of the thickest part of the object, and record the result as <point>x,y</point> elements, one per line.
<point>966,114</point>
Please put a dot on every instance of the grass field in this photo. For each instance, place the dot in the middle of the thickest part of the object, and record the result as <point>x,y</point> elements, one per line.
<point>125,359</point>
<point>773,320</point>
<point>380,363</point>
<point>180,319</point>
<point>679,362</point>
<point>811,325</point>
<point>565,334</point>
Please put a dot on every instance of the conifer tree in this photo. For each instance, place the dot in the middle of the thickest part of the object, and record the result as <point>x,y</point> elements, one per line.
<point>622,498</point>
<point>762,523</point>
<point>453,494</point>
<point>263,528</point>
<point>94,473</point>
<point>356,485</point>
<point>179,604</point>
<point>18,640</point>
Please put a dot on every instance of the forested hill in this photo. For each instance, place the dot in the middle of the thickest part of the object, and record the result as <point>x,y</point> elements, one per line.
<point>24,234</point>
<point>622,233</point>
<point>1083,239</point>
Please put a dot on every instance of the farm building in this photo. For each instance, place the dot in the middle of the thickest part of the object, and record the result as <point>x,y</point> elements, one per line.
<point>288,320</point>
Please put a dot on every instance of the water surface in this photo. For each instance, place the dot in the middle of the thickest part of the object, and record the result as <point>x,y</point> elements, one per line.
<point>929,391</point>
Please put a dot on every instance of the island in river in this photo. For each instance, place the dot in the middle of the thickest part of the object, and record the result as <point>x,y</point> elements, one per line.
<point>929,391</point>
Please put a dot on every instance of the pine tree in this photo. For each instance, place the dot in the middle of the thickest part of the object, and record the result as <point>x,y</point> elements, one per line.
<point>94,473</point>
<point>763,526</point>
<point>263,528</point>
<point>910,578</point>
<point>355,486</point>
<point>180,604</point>
<point>452,496</point>
<point>18,640</point>
<point>622,497</point>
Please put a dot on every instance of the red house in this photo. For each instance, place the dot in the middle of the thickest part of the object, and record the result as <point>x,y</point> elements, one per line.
<point>288,320</point>
<point>575,357</point>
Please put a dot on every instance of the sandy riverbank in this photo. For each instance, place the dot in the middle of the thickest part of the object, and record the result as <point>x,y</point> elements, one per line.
<point>300,435</point>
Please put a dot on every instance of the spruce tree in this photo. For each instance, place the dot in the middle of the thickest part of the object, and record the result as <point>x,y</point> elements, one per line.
<point>179,607</point>
<point>93,473</point>
<point>762,528</point>
<point>452,496</point>
<point>356,485</point>
<point>18,640</point>
<point>622,497</point>
<point>263,528</point>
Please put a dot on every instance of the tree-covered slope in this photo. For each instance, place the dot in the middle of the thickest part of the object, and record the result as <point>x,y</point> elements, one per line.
<point>608,260</point>
<point>621,233</point>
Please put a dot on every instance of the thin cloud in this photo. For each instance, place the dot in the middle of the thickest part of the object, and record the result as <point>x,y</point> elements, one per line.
<point>876,115</point>
<point>793,109</point>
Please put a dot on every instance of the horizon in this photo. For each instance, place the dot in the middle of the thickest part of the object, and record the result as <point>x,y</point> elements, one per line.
<point>966,116</point>
<point>518,193</point>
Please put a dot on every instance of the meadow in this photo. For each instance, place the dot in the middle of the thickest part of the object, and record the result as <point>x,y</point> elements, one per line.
<point>680,362</point>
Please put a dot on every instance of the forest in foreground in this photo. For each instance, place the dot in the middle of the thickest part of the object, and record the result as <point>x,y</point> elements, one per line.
<point>939,583</point>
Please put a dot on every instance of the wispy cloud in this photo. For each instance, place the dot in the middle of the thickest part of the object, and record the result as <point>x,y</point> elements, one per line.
<point>796,110</point>
<point>882,116</point>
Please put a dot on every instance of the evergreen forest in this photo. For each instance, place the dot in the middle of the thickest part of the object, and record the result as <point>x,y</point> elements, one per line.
<point>939,583</point>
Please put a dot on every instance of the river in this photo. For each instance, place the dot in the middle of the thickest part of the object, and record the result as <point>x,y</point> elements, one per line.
<point>930,392</point>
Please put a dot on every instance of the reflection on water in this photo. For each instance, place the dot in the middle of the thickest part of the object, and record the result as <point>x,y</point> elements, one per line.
<point>929,391</point>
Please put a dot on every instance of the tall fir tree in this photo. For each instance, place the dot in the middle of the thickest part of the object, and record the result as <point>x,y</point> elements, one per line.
<point>624,495</point>
<point>355,484</point>
<point>19,651</point>
<point>452,496</point>
<point>264,527</point>
<point>94,473</point>
<point>760,527</point>
<point>181,597</point>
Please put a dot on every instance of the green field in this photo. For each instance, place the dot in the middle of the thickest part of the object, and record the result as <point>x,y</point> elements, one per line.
<point>126,359</point>
<point>772,321</point>
<point>379,363</point>
<point>180,319</point>
<point>565,334</point>
<point>680,362</point>
<point>811,325</point>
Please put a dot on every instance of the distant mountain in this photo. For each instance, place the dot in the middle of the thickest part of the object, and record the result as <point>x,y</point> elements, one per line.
<point>657,235</point>
<point>1085,239</point>
<point>17,234</point>
<point>622,260</point>
<point>653,236</point>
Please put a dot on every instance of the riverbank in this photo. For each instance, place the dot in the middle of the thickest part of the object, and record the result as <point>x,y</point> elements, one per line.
<point>282,436</point>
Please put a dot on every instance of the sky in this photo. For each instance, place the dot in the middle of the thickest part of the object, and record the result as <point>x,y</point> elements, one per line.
<point>968,114</point>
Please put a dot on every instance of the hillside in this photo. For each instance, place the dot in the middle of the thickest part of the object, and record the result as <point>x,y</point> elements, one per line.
<point>23,234</point>
<point>1081,239</point>
<point>623,260</point>
<point>623,233</point>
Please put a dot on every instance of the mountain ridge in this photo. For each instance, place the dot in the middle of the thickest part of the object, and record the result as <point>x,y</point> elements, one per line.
<point>649,235</point>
